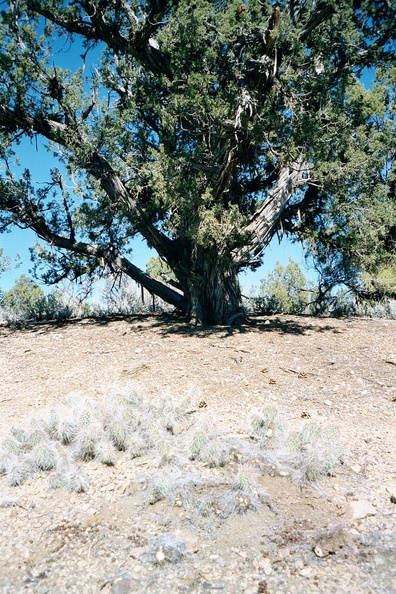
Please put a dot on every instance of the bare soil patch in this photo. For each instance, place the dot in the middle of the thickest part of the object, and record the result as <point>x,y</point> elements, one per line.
<point>339,536</point>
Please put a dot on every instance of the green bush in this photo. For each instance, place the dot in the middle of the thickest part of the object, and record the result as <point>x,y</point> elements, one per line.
<point>27,301</point>
<point>286,290</point>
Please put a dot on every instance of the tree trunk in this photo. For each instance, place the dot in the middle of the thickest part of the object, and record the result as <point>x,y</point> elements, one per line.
<point>211,291</point>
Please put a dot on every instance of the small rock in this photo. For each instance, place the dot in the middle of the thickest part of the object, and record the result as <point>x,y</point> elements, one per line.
<point>307,572</point>
<point>356,468</point>
<point>319,552</point>
<point>361,509</point>
<point>125,586</point>
<point>267,567</point>
<point>137,552</point>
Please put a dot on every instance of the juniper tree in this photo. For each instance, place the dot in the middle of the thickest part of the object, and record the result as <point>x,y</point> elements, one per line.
<point>206,127</point>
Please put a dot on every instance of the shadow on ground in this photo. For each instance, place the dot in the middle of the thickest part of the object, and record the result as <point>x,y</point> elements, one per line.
<point>168,324</point>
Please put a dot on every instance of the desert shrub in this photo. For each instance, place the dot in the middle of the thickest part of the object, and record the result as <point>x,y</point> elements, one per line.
<point>121,295</point>
<point>285,290</point>
<point>307,453</point>
<point>166,548</point>
<point>27,301</point>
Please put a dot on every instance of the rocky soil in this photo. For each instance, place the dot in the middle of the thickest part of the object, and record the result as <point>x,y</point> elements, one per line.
<point>334,535</point>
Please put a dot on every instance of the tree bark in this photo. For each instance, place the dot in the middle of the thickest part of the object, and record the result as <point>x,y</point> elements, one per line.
<point>211,289</point>
<point>264,221</point>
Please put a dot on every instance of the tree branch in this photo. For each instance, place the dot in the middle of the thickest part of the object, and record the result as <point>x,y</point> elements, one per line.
<point>322,12</point>
<point>97,28</point>
<point>109,254</point>
<point>94,164</point>
<point>262,225</point>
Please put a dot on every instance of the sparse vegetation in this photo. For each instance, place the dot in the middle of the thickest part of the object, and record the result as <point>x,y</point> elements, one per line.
<point>192,465</point>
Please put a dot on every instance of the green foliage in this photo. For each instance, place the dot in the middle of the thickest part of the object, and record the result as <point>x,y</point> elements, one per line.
<point>27,301</point>
<point>159,270</point>
<point>204,127</point>
<point>286,290</point>
<point>26,297</point>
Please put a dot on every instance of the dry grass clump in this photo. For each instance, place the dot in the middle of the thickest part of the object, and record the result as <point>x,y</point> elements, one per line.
<point>8,501</point>
<point>172,485</point>
<point>308,453</point>
<point>209,445</point>
<point>166,548</point>
<point>191,458</point>
<point>82,429</point>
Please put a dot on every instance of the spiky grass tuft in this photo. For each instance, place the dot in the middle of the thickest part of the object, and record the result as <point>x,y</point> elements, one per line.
<point>170,485</point>
<point>84,445</point>
<point>244,493</point>
<point>105,453</point>
<point>166,548</point>
<point>18,471</point>
<point>44,456</point>
<point>215,454</point>
<point>11,446</point>
<point>76,481</point>
<point>263,421</point>
<point>308,453</point>
<point>118,432</point>
<point>66,431</point>
<point>8,501</point>
<point>137,446</point>
<point>57,481</point>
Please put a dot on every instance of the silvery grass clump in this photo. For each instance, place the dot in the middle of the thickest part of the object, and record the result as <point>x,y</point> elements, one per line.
<point>244,493</point>
<point>9,501</point>
<point>81,429</point>
<point>166,548</point>
<point>209,445</point>
<point>265,425</point>
<point>308,453</point>
<point>172,416</point>
<point>239,495</point>
<point>171,485</point>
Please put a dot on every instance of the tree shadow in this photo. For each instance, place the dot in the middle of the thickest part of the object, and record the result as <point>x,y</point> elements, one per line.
<point>170,324</point>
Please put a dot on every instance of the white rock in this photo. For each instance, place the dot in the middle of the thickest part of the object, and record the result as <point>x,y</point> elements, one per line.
<point>361,509</point>
<point>356,468</point>
<point>307,572</point>
<point>267,567</point>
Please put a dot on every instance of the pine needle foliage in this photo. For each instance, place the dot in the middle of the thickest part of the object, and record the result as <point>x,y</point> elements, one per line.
<point>207,130</point>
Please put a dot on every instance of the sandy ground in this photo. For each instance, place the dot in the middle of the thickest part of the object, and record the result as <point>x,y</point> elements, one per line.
<point>336,536</point>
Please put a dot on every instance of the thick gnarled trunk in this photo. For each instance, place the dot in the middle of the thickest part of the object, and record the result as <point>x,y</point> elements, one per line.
<point>212,293</point>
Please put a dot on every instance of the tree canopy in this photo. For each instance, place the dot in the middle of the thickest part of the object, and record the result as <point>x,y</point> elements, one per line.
<point>206,127</point>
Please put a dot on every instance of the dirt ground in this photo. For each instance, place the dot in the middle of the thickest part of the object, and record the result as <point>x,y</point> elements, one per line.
<point>337,536</point>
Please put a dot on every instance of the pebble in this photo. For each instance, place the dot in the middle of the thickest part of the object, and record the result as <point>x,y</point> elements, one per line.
<point>358,510</point>
<point>267,566</point>
<point>307,572</point>
<point>356,468</point>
